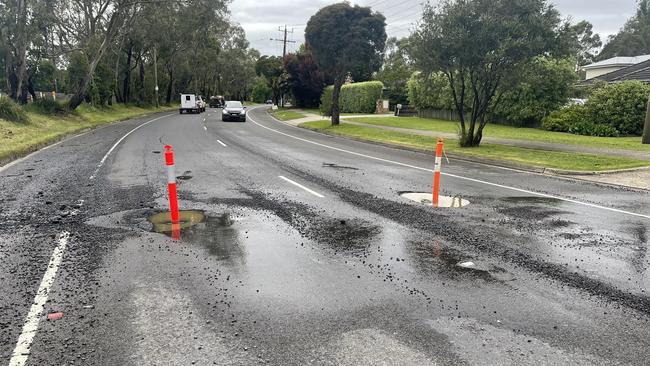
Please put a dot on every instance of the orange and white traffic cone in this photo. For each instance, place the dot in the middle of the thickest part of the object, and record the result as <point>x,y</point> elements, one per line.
<point>173,196</point>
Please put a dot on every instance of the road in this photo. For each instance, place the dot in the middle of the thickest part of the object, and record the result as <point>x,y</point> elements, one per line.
<point>309,255</point>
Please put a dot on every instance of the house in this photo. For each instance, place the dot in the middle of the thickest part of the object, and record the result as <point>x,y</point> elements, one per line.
<point>639,72</point>
<point>611,65</point>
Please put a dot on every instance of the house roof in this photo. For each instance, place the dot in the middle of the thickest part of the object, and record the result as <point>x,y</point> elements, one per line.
<point>639,72</point>
<point>617,61</point>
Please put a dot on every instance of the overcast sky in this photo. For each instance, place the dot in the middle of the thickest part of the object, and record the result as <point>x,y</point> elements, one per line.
<point>261,19</point>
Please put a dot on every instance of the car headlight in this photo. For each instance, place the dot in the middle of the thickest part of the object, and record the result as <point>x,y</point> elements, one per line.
<point>224,111</point>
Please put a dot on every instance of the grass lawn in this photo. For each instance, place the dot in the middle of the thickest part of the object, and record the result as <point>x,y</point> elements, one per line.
<point>286,114</point>
<point>19,139</point>
<point>539,158</point>
<point>515,133</point>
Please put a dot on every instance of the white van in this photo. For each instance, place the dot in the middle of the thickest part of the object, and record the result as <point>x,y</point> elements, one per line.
<point>189,103</point>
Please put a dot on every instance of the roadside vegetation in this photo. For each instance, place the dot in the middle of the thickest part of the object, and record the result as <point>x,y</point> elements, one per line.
<point>510,132</point>
<point>18,138</point>
<point>530,157</point>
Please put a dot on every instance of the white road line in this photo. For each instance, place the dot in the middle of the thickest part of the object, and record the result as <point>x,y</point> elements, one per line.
<point>101,162</point>
<point>21,352</point>
<point>301,186</point>
<point>222,144</point>
<point>456,176</point>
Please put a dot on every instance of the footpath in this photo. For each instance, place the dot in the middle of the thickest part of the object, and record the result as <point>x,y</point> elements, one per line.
<point>635,178</point>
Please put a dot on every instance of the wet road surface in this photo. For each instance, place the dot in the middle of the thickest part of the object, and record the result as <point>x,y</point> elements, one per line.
<point>302,251</point>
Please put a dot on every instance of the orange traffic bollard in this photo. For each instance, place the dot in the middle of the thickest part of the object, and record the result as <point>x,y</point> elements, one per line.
<point>436,173</point>
<point>171,184</point>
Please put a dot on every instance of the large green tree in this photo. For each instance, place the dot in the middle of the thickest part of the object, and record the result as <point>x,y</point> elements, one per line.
<point>634,38</point>
<point>346,40</point>
<point>305,79</point>
<point>477,44</point>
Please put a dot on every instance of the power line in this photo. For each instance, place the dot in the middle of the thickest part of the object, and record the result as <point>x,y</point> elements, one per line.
<point>284,40</point>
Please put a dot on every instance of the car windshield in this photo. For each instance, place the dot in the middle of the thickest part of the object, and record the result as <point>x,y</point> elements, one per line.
<point>233,105</point>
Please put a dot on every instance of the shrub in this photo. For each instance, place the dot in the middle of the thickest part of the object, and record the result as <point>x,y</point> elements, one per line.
<point>354,98</point>
<point>48,106</point>
<point>591,129</point>
<point>562,119</point>
<point>621,106</point>
<point>11,111</point>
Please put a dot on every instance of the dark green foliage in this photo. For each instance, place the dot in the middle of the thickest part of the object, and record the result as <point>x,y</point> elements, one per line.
<point>593,129</point>
<point>396,71</point>
<point>621,105</point>
<point>562,120</point>
<point>633,38</point>
<point>541,87</point>
<point>261,91</point>
<point>11,111</point>
<point>355,98</point>
<point>344,40</point>
<point>478,44</point>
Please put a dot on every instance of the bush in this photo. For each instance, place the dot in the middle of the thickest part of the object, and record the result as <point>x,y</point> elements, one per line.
<point>592,129</point>
<point>562,120</point>
<point>354,98</point>
<point>48,106</point>
<point>11,111</point>
<point>621,106</point>
<point>576,119</point>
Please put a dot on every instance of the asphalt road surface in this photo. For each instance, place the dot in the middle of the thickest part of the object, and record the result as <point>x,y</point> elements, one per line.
<point>307,254</point>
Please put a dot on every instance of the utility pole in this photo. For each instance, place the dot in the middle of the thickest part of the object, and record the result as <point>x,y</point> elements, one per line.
<point>284,40</point>
<point>284,50</point>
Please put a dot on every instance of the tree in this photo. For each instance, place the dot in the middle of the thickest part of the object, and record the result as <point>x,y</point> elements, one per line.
<point>543,86</point>
<point>396,71</point>
<point>346,39</point>
<point>477,44</point>
<point>586,43</point>
<point>272,68</point>
<point>634,38</point>
<point>305,79</point>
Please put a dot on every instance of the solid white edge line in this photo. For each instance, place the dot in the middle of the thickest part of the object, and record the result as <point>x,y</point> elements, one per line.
<point>101,162</point>
<point>301,186</point>
<point>33,318</point>
<point>456,176</point>
<point>222,144</point>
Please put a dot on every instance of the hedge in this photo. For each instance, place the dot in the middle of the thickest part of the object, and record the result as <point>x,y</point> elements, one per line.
<point>355,98</point>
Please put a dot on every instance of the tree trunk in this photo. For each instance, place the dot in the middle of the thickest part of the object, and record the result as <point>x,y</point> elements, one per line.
<point>646,129</point>
<point>21,49</point>
<point>170,84</point>
<point>82,89</point>
<point>155,75</point>
<point>126,84</point>
<point>141,93</point>
<point>338,84</point>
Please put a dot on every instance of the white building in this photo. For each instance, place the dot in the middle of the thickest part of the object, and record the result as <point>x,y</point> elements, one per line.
<point>610,65</point>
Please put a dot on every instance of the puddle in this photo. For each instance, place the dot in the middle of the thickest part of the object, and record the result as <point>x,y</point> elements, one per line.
<point>216,233</point>
<point>336,166</point>
<point>444,201</point>
<point>162,222</point>
<point>436,259</point>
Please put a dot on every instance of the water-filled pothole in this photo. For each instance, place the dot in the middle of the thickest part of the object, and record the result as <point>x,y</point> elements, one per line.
<point>162,222</point>
<point>444,201</point>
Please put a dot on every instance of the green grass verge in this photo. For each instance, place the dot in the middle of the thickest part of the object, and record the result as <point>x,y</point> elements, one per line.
<point>286,114</point>
<point>538,158</point>
<point>515,133</point>
<point>19,139</point>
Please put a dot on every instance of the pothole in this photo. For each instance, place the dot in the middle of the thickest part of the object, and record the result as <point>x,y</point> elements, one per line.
<point>162,222</point>
<point>443,202</point>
